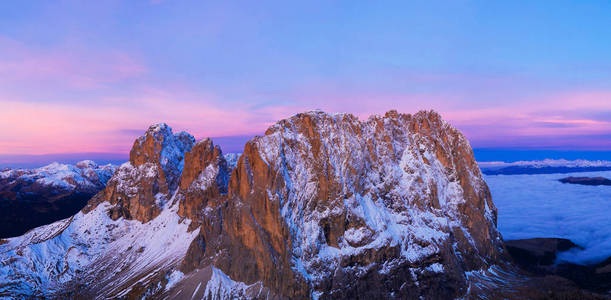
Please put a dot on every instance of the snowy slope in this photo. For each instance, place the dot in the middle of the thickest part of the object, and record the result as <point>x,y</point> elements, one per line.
<point>92,249</point>
<point>232,159</point>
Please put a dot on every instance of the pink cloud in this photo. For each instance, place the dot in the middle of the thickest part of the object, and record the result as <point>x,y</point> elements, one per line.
<point>72,66</point>
<point>41,128</point>
<point>84,127</point>
<point>99,123</point>
<point>553,119</point>
<point>500,123</point>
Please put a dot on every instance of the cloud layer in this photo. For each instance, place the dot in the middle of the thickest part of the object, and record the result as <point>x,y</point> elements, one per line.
<point>532,206</point>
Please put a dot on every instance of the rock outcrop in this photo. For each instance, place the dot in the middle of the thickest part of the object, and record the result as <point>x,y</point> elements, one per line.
<point>204,179</point>
<point>539,256</point>
<point>538,252</point>
<point>142,187</point>
<point>586,180</point>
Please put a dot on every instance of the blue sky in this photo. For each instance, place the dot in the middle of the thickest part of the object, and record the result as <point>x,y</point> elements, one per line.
<point>529,75</point>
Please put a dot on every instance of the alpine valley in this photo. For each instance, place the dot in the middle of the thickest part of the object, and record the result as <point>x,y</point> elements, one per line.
<point>323,206</point>
<point>33,197</point>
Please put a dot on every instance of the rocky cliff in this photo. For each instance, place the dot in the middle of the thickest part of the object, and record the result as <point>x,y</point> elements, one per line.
<point>328,206</point>
<point>141,188</point>
<point>322,206</point>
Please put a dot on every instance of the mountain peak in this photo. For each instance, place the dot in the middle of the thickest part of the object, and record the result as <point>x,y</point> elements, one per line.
<point>141,188</point>
<point>84,164</point>
<point>159,127</point>
<point>161,147</point>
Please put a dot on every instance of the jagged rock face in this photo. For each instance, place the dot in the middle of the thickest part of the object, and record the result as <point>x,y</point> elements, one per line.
<point>141,187</point>
<point>205,177</point>
<point>327,206</point>
<point>159,146</point>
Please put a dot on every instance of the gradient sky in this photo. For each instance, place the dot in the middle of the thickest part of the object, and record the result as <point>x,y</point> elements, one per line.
<point>90,76</point>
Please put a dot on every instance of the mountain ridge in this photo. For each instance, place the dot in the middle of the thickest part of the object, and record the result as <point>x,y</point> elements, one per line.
<point>322,206</point>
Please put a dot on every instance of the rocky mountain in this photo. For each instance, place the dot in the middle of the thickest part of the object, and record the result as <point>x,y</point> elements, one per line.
<point>323,206</point>
<point>34,197</point>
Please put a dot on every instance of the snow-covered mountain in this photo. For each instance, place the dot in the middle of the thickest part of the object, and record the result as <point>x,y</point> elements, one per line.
<point>549,163</point>
<point>33,197</point>
<point>546,166</point>
<point>323,206</point>
<point>86,175</point>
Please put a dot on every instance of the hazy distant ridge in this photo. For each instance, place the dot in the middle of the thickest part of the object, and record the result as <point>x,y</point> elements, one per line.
<point>546,166</point>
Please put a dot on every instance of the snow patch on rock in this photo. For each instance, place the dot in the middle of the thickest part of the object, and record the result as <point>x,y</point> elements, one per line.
<point>173,278</point>
<point>221,286</point>
<point>232,160</point>
<point>206,178</point>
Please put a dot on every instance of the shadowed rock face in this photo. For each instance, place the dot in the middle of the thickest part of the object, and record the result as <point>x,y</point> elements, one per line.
<point>331,206</point>
<point>538,251</point>
<point>538,256</point>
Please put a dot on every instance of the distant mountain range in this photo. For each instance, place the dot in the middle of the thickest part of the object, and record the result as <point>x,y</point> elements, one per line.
<point>547,166</point>
<point>34,197</point>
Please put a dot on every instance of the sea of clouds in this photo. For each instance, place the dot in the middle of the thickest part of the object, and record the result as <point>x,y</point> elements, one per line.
<point>532,206</point>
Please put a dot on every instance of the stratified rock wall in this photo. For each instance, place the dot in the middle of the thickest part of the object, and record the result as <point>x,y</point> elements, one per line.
<point>330,206</point>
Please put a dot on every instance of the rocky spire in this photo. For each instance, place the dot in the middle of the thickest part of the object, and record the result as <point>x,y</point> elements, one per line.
<point>141,188</point>
<point>205,177</point>
<point>160,146</point>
